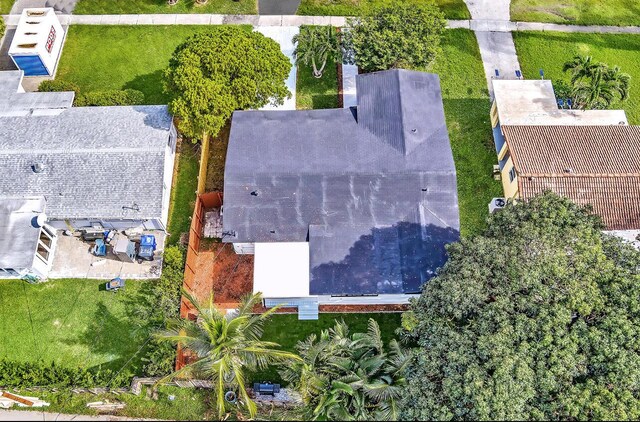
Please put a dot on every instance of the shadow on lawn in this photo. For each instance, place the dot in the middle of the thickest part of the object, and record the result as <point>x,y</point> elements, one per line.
<point>151,85</point>
<point>120,337</point>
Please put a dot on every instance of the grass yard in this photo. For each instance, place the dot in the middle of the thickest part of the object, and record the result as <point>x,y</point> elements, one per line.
<point>100,57</point>
<point>72,323</point>
<point>189,404</point>
<point>287,331</point>
<point>183,194</point>
<point>467,106</point>
<point>5,6</point>
<point>117,7</point>
<point>314,93</point>
<point>452,9</point>
<point>578,12</point>
<point>550,50</point>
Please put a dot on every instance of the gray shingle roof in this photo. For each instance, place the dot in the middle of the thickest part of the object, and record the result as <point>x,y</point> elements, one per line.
<point>18,234</point>
<point>14,103</point>
<point>348,173</point>
<point>96,160</point>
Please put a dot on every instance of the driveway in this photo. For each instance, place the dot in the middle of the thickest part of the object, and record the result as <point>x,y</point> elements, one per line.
<point>489,9</point>
<point>278,7</point>
<point>498,52</point>
<point>283,35</point>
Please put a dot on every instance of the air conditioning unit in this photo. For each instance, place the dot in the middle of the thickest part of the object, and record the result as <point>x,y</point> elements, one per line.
<point>497,204</point>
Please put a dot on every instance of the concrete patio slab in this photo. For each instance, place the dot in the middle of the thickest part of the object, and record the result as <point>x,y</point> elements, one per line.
<point>73,259</point>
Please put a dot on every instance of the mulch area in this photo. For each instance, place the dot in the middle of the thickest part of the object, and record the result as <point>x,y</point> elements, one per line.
<point>219,270</point>
<point>362,308</point>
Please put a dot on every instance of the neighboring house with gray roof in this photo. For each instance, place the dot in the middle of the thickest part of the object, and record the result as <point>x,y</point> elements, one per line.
<point>95,167</point>
<point>369,190</point>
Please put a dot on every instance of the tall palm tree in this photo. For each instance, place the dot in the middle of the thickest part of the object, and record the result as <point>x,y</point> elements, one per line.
<point>596,85</point>
<point>227,347</point>
<point>349,377</point>
<point>315,45</point>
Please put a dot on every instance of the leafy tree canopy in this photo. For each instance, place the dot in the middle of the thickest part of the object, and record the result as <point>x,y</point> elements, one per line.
<point>227,347</point>
<point>214,73</point>
<point>595,85</point>
<point>538,318</point>
<point>346,376</point>
<point>395,36</point>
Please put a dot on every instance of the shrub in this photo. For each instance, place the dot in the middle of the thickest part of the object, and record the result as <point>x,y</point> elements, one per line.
<point>110,98</point>
<point>41,374</point>
<point>2,27</point>
<point>58,86</point>
<point>166,292</point>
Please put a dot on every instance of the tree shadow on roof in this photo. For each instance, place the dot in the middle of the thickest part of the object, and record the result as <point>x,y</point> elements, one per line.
<point>390,260</point>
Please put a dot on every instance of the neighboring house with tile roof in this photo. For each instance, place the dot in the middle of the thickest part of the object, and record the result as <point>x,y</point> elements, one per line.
<point>364,198</point>
<point>95,167</point>
<point>594,165</point>
<point>590,156</point>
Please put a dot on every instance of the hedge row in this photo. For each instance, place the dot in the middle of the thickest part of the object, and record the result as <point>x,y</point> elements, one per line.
<point>41,374</point>
<point>112,97</point>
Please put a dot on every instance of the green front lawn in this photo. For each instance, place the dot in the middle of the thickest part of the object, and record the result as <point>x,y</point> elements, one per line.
<point>453,9</point>
<point>550,50</point>
<point>100,57</point>
<point>577,12</point>
<point>314,93</point>
<point>117,7</point>
<point>467,106</point>
<point>74,323</point>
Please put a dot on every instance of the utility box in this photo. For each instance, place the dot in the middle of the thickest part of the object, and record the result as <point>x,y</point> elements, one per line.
<point>124,249</point>
<point>37,43</point>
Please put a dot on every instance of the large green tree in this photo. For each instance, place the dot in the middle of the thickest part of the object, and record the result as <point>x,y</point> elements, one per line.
<point>537,318</point>
<point>214,73</point>
<point>395,36</point>
<point>595,85</point>
<point>347,376</point>
<point>227,347</point>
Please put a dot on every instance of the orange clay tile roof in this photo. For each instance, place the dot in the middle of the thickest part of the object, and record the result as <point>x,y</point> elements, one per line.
<point>596,165</point>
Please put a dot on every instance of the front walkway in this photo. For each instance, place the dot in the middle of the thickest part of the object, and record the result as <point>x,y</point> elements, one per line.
<point>283,35</point>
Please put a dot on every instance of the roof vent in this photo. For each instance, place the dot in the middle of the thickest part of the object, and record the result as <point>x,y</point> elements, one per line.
<point>568,170</point>
<point>272,231</point>
<point>37,168</point>
<point>414,130</point>
<point>255,193</point>
<point>425,189</point>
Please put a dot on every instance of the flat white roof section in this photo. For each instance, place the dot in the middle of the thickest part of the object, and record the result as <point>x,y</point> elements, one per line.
<point>533,102</point>
<point>281,269</point>
<point>18,233</point>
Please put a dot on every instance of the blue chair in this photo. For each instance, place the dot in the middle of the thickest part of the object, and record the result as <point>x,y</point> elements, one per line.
<point>99,249</point>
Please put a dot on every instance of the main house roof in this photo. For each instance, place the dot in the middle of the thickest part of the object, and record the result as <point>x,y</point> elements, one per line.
<point>366,186</point>
<point>94,162</point>
<point>596,165</point>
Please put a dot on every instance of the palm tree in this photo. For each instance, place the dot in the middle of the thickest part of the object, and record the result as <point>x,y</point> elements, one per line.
<point>315,45</point>
<point>227,347</point>
<point>345,377</point>
<point>596,85</point>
